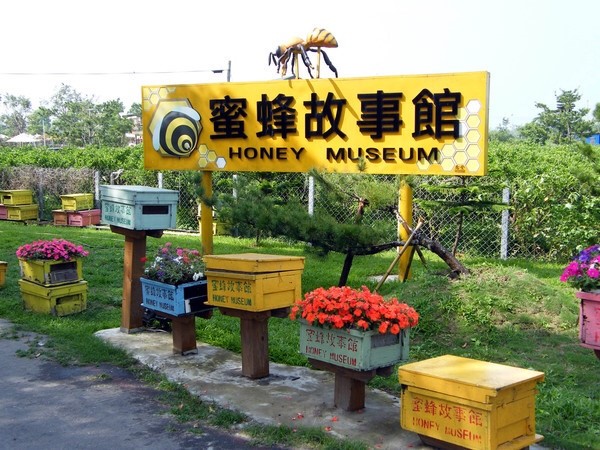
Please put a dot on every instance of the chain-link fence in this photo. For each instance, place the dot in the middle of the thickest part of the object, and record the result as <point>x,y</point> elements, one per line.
<point>473,231</point>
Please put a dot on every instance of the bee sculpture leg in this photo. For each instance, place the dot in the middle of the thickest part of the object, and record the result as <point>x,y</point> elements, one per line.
<point>306,60</point>
<point>329,64</point>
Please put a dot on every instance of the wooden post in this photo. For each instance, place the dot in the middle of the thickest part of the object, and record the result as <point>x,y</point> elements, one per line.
<point>183,329</point>
<point>350,385</point>
<point>254,332</point>
<point>349,393</point>
<point>132,312</point>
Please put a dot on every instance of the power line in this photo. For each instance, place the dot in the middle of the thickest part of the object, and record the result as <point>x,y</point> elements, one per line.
<point>110,73</point>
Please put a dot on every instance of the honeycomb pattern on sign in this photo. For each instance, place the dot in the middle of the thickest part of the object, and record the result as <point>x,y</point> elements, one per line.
<point>207,157</point>
<point>461,156</point>
<point>151,96</point>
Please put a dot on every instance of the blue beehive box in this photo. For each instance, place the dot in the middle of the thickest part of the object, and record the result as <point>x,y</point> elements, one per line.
<point>139,207</point>
<point>175,300</point>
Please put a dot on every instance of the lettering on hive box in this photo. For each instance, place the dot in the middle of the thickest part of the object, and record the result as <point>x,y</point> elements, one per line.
<point>331,346</point>
<point>460,422</point>
<point>166,306</point>
<point>231,291</point>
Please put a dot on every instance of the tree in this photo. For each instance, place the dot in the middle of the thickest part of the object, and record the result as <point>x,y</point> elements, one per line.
<point>596,116</point>
<point>503,132</point>
<point>14,121</point>
<point>135,110</point>
<point>258,210</point>
<point>561,125</point>
<point>112,126</point>
<point>40,121</point>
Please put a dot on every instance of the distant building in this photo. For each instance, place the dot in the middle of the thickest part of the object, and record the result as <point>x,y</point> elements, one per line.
<point>594,139</point>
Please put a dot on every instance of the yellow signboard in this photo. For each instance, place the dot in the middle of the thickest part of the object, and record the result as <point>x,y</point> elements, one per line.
<point>426,125</point>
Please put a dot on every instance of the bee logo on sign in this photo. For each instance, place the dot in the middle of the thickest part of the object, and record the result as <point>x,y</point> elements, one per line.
<point>175,128</point>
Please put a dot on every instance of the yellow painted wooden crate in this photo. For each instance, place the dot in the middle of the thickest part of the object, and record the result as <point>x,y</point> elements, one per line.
<point>57,300</point>
<point>22,212</point>
<point>16,197</point>
<point>77,202</point>
<point>3,269</point>
<point>454,401</point>
<point>49,272</point>
<point>253,281</point>
<point>253,262</point>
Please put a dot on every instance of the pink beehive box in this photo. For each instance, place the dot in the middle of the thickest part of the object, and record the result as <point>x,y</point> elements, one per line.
<point>84,218</point>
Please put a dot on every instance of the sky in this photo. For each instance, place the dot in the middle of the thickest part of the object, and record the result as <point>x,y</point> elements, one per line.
<point>109,49</point>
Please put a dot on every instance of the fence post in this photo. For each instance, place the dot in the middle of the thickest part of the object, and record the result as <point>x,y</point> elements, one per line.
<point>41,198</point>
<point>311,195</point>
<point>97,187</point>
<point>505,215</point>
<point>160,180</point>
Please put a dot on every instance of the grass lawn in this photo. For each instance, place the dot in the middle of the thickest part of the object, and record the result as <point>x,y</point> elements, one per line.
<point>510,312</point>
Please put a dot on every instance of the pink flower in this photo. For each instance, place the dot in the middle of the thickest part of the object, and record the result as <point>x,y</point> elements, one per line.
<point>583,272</point>
<point>56,249</point>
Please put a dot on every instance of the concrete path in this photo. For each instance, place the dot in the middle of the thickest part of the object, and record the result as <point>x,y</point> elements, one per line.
<point>292,396</point>
<point>44,405</point>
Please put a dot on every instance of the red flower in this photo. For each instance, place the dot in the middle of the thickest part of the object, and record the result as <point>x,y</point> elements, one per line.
<point>344,307</point>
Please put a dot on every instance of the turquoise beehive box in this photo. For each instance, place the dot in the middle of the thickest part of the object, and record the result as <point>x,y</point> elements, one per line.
<point>139,207</point>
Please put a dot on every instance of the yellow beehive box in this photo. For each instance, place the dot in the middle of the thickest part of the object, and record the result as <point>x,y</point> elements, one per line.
<point>455,401</point>
<point>253,281</point>
<point>253,263</point>
<point>16,197</point>
<point>3,269</point>
<point>77,202</point>
<point>49,272</point>
<point>22,212</point>
<point>57,301</point>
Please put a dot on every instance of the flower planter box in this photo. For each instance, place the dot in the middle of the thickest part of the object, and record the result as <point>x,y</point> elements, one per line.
<point>353,349</point>
<point>452,401</point>
<point>16,197</point>
<point>83,218</point>
<point>49,273</point>
<point>139,207</point>
<point>589,319</point>
<point>252,281</point>
<point>58,300</point>
<point>175,300</point>
<point>77,202</point>
<point>22,212</point>
<point>3,269</point>
<point>3,212</point>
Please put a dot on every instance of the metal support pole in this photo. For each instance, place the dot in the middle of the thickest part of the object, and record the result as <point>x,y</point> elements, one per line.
<point>406,211</point>
<point>311,195</point>
<point>505,216</point>
<point>206,218</point>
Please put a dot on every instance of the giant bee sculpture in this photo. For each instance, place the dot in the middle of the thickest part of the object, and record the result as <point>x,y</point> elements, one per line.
<point>288,52</point>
